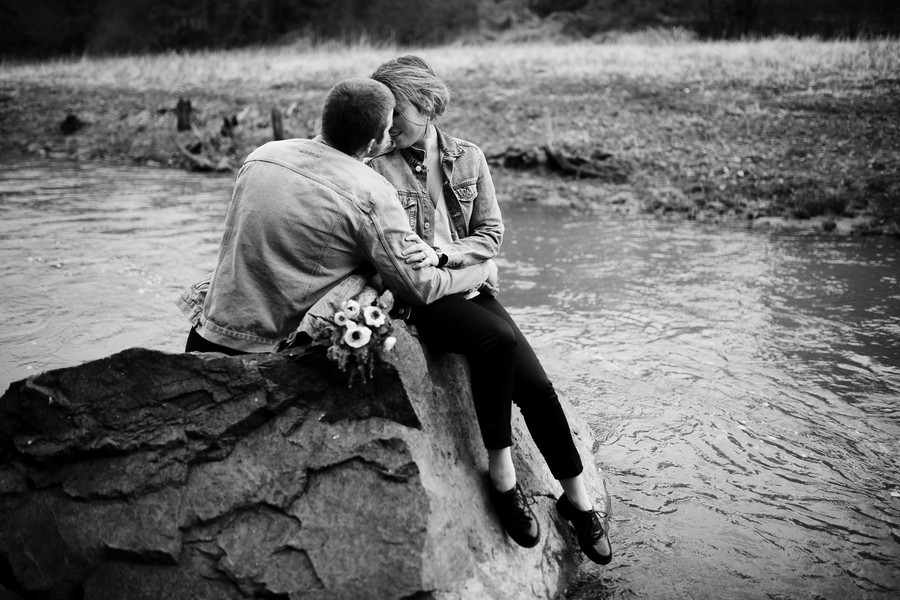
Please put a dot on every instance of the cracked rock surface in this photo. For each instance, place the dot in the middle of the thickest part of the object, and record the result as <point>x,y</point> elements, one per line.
<point>154,475</point>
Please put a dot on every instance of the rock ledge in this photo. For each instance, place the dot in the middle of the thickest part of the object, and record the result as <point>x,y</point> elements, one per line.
<point>153,475</point>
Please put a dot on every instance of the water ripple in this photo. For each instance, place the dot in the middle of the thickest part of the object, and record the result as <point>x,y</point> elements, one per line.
<point>742,387</point>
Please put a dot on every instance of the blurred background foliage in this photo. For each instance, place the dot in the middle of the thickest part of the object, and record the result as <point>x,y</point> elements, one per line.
<point>47,28</point>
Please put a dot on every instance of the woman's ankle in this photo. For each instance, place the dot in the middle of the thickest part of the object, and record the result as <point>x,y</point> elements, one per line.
<point>576,493</point>
<point>501,469</point>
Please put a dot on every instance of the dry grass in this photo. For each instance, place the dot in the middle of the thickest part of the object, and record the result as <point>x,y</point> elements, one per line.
<point>784,126</point>
<point>781,61</point>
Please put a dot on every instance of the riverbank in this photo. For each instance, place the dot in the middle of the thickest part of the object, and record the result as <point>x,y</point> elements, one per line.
<point>798,132</point>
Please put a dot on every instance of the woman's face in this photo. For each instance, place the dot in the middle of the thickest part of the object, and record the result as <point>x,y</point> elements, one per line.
<point>409,126</point>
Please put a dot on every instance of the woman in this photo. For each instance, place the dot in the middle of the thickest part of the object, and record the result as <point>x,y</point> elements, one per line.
<point>446,188</point>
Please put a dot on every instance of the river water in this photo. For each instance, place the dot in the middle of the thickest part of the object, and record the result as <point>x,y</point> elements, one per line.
<point>743,386</point>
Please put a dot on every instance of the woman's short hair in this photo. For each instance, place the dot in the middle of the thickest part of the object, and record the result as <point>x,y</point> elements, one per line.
<point>412,81</point>
<point>356,111</point>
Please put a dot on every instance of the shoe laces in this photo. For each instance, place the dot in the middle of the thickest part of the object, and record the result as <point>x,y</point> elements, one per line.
<point>519,504</point>
<point>590,524</point>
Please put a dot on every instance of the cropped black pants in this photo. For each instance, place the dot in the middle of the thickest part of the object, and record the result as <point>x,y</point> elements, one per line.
<point>197,343</point>
<point>504,370</point>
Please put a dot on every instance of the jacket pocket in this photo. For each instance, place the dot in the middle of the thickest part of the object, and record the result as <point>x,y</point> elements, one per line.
<point>465,192</point>
<point>410,204</point>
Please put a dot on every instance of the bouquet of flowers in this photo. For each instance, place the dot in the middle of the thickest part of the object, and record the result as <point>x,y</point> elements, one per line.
<point>359,333</point>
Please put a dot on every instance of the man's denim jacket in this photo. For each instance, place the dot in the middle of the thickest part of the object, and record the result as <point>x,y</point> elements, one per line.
<point>305,227</point>
<point>477,227</point>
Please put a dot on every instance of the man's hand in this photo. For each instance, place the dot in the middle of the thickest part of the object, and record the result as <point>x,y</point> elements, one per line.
<point>419,254</point>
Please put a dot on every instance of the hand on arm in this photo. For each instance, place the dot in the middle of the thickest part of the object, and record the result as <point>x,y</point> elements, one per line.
<point>418,253</point>
<point>383,241</point>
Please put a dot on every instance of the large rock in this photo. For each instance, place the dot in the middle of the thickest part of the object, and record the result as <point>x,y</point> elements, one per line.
<point>154,475</point>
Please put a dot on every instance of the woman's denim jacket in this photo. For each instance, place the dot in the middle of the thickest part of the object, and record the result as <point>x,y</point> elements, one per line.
<point>477,228</point>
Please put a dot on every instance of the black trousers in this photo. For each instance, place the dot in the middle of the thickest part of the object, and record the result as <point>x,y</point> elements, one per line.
<point>504,370</point>
<point>198,343</point>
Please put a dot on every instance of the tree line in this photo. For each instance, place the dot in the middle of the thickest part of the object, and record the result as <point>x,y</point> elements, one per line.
<point>42,28</point>
<point>714,19</point>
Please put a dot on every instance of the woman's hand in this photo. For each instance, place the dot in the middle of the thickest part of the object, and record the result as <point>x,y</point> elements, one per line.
<point>491,285</point>
<point>493,278</point>
<point>418,253</point>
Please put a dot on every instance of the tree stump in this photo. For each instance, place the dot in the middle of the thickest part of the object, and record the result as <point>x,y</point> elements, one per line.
<point>71,124</point>
<point>277,125</point>
<point>183,114</point>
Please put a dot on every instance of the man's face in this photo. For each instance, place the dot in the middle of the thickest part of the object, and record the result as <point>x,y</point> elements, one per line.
<point>385,140</point>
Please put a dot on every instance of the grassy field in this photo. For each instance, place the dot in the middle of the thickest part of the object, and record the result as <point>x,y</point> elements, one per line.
<point>803,130</point>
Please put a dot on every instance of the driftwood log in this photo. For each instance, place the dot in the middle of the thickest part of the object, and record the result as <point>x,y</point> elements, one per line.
<point>228,126</point>
<point>204,151</point>
<point>598,164</point>
<point>210,149</point>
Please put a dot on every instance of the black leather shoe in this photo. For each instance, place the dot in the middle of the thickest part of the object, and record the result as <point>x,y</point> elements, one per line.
<point>516,516</point>
<point>589,529</point>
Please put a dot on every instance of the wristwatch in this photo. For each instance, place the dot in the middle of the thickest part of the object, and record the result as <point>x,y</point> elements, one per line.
<point>442,258</point>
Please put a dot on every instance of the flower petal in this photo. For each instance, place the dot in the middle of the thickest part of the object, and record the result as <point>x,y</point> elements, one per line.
<point>358,336</point>
<point>374,316</point>
<point>351,309</point>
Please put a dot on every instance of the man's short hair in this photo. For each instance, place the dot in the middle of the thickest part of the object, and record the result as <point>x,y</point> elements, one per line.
<point>356,111</point>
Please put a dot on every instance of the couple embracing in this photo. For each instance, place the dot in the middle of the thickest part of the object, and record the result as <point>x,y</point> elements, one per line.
<point>382,191</point>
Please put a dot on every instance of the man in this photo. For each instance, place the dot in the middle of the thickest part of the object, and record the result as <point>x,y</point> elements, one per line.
<point>306,216</point>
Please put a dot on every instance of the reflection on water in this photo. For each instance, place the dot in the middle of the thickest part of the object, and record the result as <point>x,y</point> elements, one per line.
<point>744,386</point>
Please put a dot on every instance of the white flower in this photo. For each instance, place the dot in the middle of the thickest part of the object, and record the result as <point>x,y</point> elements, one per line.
<point>374,316</point>
<point>358,337</point>
<point>340,318</point>
<point>351,309</point>
<point>388,343</point>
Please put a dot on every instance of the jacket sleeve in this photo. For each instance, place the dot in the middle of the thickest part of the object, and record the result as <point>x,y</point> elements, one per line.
<point>381,240</point>
<point>485,225</point>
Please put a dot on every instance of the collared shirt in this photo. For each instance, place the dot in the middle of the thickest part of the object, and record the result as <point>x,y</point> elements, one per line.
<point>302,219</point>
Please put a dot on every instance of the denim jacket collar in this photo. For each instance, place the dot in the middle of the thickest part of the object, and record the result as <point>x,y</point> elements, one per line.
<point>449,147</point>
